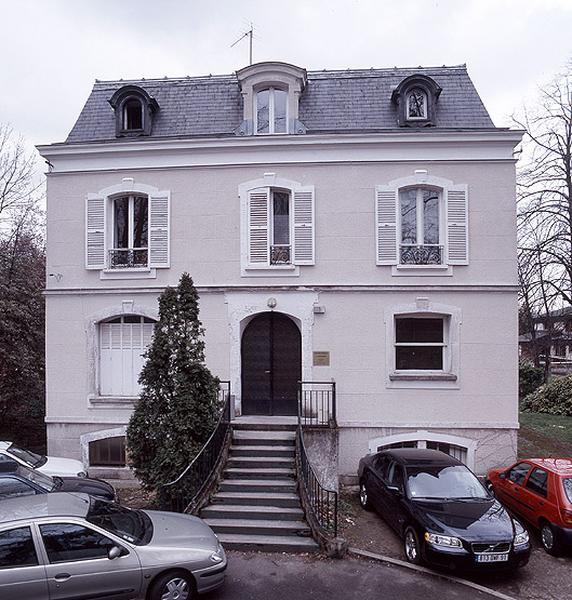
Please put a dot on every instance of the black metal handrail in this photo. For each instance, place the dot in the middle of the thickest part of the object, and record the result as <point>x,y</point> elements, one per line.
<point>183,493</point>
<point>317,403</point>
<point>321,503</point>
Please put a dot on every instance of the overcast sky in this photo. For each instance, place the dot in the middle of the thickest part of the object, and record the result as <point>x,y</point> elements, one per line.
<point>53,50</point>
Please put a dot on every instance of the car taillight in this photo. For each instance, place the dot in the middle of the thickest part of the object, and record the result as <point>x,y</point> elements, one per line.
<point>566,516</point>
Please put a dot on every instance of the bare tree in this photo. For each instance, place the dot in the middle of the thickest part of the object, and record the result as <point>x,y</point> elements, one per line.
<point>545,202</point>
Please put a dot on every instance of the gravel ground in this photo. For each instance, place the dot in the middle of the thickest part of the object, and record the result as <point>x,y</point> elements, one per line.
<point>544,578</point>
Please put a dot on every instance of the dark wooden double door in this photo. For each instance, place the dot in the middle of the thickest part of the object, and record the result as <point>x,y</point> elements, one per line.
<point>271,353</point>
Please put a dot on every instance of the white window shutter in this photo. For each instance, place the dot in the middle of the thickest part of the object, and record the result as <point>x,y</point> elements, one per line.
<point>386,225</point>
<point>304,228</point>
<point>95,232</point>
<point>159,226</point>
<point>258,230</point>
<point>457,226</point>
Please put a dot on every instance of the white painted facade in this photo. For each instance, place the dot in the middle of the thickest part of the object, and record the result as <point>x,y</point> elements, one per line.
<point>471,404</point>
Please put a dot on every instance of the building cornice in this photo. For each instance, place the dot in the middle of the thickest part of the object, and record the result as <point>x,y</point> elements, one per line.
<point>462,145</point>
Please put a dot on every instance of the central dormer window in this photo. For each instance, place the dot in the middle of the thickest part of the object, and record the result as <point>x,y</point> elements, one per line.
<point>132,115</point>
<point>417,104</point>
<point>271,111</point>
<point>130,232</point>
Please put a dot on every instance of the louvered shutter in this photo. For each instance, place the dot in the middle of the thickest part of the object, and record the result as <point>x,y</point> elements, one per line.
<point>386,225</point>
<point>304,236</point>
<point>159,224</point>
<point>95,233</point>
<point>457,226</point>
<point>258,230</point>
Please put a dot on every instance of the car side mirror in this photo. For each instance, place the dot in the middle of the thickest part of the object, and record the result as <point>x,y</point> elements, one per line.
<point>115,552</point>
<point>395,490</point>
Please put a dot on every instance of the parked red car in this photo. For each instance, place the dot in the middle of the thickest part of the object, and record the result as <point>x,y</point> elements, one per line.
<point>540,491</point>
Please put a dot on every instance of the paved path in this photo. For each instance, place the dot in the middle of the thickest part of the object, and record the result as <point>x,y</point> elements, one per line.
<point>290,577</point>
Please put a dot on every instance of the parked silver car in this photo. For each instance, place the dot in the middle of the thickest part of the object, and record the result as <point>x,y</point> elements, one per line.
<point>65,546</point>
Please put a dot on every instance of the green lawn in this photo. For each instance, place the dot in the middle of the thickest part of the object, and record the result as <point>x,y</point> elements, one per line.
<point>544,435</point>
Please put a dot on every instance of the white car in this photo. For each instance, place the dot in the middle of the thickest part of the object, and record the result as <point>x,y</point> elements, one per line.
<point>50,465</point>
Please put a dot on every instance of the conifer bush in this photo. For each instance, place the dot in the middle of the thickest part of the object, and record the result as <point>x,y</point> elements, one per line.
<point>179,402</point>
<point>554,398</point>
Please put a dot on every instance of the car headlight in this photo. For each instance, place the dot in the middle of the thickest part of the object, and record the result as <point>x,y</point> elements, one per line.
<point>443,540</point>
<point>521,537</point>
<point>218,555</point>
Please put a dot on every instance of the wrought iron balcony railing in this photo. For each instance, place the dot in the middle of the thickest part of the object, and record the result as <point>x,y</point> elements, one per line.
<point>280,255</point>
<point>421,254</point>
<point>128,258</point>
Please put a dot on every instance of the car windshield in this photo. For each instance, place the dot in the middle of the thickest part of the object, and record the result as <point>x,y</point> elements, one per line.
<point>450,482</point>
<point>131,525</point>
<point>30,458</point>
<point>567,483</point>
<point>44,481</point>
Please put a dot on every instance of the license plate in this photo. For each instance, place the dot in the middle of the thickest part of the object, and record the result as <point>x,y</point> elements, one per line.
<point>492,557</point>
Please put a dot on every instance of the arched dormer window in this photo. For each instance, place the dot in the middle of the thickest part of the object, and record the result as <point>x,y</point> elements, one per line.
<point>416,99</point>
<point>134,110</point>
<point>271,111</point>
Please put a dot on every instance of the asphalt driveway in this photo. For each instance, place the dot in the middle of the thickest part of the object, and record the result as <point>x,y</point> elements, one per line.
<point>544,578</point>
<point>254,576</point>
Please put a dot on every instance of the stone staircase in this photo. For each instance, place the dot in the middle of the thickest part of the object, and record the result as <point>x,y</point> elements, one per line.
<point>257,506</point>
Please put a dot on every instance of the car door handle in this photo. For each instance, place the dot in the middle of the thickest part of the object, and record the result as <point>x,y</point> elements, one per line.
<point>62,576</point>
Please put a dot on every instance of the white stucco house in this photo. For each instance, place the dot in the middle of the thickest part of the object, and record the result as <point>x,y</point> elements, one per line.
<point>356,226</point>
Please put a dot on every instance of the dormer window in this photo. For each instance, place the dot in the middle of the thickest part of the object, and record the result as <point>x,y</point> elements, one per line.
<point>416,101</point>
<point>134,111</point>
<point>271,111</point>
<point>132,115</point>
<point>417,104</point>
<point>271,92</point>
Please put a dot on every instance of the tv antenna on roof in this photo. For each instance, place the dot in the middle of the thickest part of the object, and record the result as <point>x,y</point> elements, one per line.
<point>248,34</point>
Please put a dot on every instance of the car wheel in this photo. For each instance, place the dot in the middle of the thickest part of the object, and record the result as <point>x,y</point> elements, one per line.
<point>172,586</point>
<point>412,547</point>
<point>548,538</point>
<point>364,497</point>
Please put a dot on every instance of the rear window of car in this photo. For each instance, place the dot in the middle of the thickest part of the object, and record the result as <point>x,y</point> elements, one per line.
<point>567,483</point>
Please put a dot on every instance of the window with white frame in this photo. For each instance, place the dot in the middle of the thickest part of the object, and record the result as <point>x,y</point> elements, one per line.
<point>420,229</point>
<point>130,232</point>
<point>278,226</point>
<point>416,104</point>
<point>122,342</point>
<point>422,226</point>
<point>127,228</point>
<point>271,111</point>
<point>132,117</point>
<point>420,343</point>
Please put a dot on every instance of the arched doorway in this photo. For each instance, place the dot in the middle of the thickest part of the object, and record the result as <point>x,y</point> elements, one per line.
<point>271,361</point>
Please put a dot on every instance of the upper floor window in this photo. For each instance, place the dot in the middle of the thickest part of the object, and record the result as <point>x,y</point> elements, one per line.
<point>417,104</point>
<point>132,114</point>
<point>278,224</point>
<point>420,230</point>
<point>127,229</point>
<point>134,111</point>
<point>271,111</point>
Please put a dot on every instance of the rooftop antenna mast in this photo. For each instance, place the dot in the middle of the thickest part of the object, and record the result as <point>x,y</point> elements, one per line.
<point>248,34</point>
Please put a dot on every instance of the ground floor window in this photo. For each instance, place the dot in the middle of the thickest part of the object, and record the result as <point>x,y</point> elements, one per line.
<point>108,452</point>
<point>458,452</point>
<point>122,343</point>
<point>420,343</point>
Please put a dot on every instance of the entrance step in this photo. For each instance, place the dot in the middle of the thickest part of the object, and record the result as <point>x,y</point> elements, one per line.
<point>258,485</point>
<point>260,462</point>
<point>249,437</point>
<point>268,543</point>
<point>259,527</point>
<point>268,473</point>
<point>257,498</point>
<point>237,511</point>
<point>251,450</point>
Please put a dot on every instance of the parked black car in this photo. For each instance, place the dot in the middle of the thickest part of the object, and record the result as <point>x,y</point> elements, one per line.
<point>443,513</point>
<point>18,480</point>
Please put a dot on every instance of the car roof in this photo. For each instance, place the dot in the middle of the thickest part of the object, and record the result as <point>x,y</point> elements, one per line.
<point>4,445</point>
<point>418,457</point>
<point>59,504</point>
<point>560,466</point>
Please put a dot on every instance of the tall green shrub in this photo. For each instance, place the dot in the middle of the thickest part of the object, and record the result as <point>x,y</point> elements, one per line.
<point>529,378</point>
<point>178,406</point>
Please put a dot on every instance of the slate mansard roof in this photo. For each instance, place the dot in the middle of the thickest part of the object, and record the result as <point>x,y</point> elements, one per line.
<point>352,101</point>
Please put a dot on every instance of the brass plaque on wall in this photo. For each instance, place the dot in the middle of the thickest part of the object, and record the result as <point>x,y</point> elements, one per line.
<point>321,359</point>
